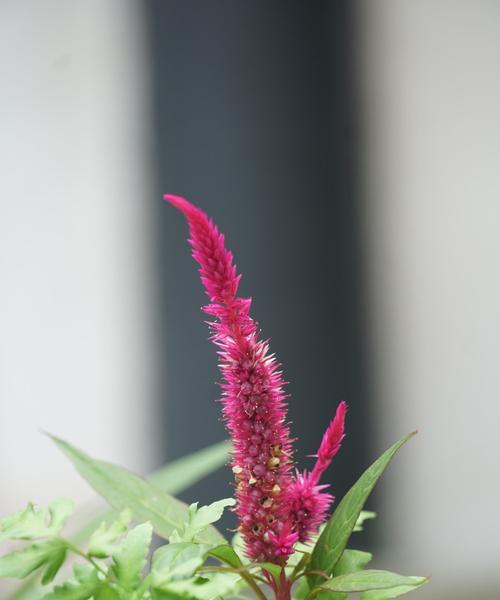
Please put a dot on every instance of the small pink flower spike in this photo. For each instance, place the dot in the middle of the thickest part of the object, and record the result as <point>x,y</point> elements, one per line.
<point>253,398</point>
<point>308,502</point>
<point>330,444</point>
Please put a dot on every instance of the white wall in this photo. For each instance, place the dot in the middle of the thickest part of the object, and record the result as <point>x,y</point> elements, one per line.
<point>76,356</point>
<point>430,77</point>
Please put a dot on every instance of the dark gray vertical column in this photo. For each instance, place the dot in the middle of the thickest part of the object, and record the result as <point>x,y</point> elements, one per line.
<point>254,121</point>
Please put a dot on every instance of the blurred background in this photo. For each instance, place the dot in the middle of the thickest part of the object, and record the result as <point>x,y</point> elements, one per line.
<point>350,151</point>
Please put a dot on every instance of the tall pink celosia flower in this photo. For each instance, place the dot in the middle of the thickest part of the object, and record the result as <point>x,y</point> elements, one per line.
<point>275,507</point>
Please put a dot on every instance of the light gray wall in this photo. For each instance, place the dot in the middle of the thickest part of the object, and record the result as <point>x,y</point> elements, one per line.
<point>430,83</point>
<point>75,353</point>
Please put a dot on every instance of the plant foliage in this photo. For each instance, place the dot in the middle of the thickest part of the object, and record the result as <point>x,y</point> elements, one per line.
<point>116,559</point>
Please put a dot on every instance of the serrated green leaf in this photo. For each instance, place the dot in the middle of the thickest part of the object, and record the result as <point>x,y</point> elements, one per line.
<point>85,584</point>
<point>371,579</point>
<point>130,559</point>
<point>124,489</point>
<point>178,590</point>
<point>173,478</point>
<point>212,587</point>
<point>364,515</point>
<point>337,532</point>
<point>21,563</point>
<point>107,593</point>
<point>53,564</point>
<point>201,518</point>
<point>176,561</point>
<point>387,594</point>
<point>104,541</point>
<point>35,522</point>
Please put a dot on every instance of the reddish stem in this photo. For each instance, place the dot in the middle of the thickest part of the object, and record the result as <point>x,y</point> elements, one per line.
<point>281,589</point>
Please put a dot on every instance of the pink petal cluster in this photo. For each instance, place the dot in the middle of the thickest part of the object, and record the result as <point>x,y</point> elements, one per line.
<point>276,508</point>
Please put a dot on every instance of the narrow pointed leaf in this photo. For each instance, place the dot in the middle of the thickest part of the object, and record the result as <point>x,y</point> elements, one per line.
<point>371,579</point>
<point>227,555</point>
<point>123,489</point>
<point>388,594</point>
<point>182,473</point>
<point>350,562</point>
<point>335,536</point>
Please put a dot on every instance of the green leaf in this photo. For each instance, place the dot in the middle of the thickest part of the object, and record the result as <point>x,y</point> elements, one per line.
<point>34,522</point>
<point>130,559</point>
<point>212,587</point>
<point>275,570</point>
<point>200,518</point>
<point>21,563</point>
<point>103,542</point>
<point>176,561</point>
<point>53,564</point>
<point>123,489</point>
<point>172,595</point>
<point>304,547</point>
<point>107,593</point>
<point>302,589</point>
<point>85,585</point>
<point>364,515</point>
<point>238,544</point>
<point>218,585</point>
<point>389,593</point>
<point>180,474</point>
<point>227,555</point>
<point>333,540</point>
<point>352,561</point>
<point>301,565</point>
<point>371,579</point>
<point>173,478</point>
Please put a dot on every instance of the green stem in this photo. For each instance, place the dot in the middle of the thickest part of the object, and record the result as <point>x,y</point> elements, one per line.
<point>86,557</point>
<point>245,575</point>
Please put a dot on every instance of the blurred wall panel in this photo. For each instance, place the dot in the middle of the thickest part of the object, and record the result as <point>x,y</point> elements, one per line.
<point>76,356</point>
<point>431,87</point>
<point>256,123</point>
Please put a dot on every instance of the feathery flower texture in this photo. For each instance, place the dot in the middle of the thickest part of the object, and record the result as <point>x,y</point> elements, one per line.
<point>276,506</point>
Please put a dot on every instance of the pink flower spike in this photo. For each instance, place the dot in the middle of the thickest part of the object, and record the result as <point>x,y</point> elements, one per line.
<point>253,399</point>
<point>285,540</point>
<point>330,444</point>
<point>308,502</point>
